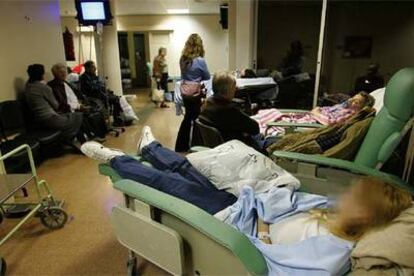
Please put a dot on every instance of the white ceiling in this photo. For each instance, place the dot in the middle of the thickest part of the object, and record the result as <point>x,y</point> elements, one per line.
<point>133,7</point>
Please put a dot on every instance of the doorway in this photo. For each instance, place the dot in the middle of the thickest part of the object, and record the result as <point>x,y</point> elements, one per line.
<point>133,60</point>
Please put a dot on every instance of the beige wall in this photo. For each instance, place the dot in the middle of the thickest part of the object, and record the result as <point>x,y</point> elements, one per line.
<point>241,34</point>
<point>232,29</point>
<point>31,33</point>
<point>214,37</point>
<point>88,51</point>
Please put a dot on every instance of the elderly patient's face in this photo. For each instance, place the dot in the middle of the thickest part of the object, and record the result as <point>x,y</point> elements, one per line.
<point>61,73</point>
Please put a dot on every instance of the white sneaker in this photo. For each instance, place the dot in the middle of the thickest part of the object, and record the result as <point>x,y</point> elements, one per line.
<point>98,152</point>
<point>146,138</point>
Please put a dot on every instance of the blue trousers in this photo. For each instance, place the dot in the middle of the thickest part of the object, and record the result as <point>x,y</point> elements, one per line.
<point>173,174</point>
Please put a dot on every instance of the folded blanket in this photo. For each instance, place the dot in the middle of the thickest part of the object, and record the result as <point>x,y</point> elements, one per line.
<point>389,251</point>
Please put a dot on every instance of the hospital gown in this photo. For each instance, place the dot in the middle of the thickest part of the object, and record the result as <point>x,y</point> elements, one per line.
<point>319,255</point>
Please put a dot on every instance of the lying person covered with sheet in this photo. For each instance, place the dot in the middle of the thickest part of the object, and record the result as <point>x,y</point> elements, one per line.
<point>326,115</point>
<point>296,232</point>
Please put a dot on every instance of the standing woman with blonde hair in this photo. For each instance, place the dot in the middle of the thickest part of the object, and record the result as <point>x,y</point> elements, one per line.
<point>160,72</point>
<point>193,71</point>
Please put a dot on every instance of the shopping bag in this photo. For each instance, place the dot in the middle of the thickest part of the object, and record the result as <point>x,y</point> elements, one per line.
<point>157,95</point>
<point>127,109</point>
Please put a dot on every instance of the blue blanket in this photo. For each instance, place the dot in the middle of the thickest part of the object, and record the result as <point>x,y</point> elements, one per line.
<point>321,255</point>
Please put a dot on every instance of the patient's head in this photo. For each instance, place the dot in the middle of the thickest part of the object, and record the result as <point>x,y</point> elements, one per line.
<point>162,51</point>
<point>36,72</point>
<point>59,71</point>
<point>361,100</point>
<point>367,204</point>
<point>224,85</point>
<point>90,67</point>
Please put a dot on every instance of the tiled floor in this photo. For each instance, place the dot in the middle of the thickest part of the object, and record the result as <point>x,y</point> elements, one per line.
<point>86,245</point>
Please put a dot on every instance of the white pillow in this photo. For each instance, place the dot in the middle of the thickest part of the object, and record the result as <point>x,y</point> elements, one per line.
<point>233,165</point>
<point>379,98</point>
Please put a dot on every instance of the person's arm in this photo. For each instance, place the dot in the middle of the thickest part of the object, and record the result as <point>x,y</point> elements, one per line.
<point>263,231</point>
<point>244,123</point>
<point>63,106</point>
<point>205,74</point>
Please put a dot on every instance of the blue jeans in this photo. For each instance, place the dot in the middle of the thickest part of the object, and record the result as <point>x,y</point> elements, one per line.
<point>173,174</point>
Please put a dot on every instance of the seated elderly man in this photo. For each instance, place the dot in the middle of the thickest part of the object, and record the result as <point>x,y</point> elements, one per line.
<point>71,100</point>
<point>220,112</point>
<point>44,106</point>
<point>68,97</point>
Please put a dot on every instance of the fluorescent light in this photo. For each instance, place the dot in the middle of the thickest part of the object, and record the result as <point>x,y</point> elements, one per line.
<point>178,11</point>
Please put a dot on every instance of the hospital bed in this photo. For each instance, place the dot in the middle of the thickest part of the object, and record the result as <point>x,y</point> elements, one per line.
<point>183,239</point>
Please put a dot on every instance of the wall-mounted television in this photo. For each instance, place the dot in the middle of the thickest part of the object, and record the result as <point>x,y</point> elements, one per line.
<point>91,12</point>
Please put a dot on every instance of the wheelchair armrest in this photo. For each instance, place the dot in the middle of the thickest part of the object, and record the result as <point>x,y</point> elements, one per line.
<point>344,165</point>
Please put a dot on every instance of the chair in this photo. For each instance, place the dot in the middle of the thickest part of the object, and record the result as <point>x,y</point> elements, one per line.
<point>210,135</point>
<point>14,123</point>
<point>385,133</point>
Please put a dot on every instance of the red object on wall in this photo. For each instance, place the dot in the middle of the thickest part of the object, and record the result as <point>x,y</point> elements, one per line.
<point>69,45</point>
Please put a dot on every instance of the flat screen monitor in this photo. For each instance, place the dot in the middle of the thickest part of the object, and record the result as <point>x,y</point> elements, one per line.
<point>91,12</point>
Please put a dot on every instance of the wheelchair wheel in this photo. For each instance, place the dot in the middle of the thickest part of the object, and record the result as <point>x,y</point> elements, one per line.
<point>54,217</point>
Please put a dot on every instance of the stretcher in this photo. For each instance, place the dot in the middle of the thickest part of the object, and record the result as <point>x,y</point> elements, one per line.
<point>183,239</point>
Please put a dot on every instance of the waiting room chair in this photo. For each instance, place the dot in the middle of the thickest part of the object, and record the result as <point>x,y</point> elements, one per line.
<point>14,124</point>
<point>210,135</point>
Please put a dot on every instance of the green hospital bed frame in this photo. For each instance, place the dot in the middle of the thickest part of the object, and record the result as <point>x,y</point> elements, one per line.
<point>183,239</point>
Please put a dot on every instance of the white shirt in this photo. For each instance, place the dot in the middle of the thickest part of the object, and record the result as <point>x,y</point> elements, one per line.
<point>233,165</point>
<point>296,228</point>
<point>73,101</point>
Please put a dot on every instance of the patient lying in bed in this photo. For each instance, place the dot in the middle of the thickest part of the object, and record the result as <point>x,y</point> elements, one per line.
<point>296,232</point>
<point>299,234</point>
<point>326,115</point>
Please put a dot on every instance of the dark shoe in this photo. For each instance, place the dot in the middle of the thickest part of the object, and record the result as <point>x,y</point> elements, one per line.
<point>164,105</point>
<point>118,123</point>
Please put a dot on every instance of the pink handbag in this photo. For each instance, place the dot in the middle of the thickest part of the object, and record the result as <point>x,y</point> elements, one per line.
<point>191,88</point>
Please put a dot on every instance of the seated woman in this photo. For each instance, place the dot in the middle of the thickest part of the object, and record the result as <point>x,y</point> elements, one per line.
<point>296,232</point>
<point>44,107</point>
